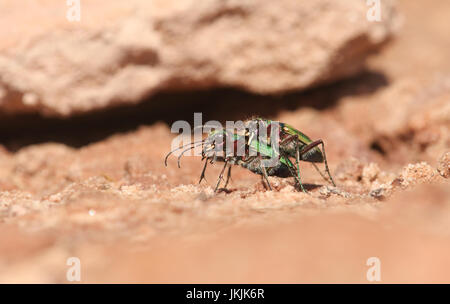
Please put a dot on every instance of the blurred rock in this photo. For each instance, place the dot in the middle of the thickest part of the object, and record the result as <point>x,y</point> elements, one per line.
<point>407,121</point>
<point>124,51</point>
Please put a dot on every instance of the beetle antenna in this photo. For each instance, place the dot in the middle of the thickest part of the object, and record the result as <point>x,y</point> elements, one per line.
<point>188,149</point>
<point>179,148</point>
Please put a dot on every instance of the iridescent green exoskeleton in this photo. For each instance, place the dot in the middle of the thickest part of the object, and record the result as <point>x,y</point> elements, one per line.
<point>292,143</point>
<point>214,149</point>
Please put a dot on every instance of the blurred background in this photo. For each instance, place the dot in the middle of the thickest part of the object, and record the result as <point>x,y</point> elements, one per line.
<point>89,90</point>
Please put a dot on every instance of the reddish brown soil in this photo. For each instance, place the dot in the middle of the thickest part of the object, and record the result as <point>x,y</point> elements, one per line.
<point>115,206</point>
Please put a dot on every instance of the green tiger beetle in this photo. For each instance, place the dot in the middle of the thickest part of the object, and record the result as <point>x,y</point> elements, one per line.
<point>292,143</point>
<point>214,144</point>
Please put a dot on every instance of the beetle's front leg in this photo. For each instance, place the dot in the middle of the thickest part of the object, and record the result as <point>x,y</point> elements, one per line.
<point>221,176</point>
<point>264,172</point>
<point>228,176</point>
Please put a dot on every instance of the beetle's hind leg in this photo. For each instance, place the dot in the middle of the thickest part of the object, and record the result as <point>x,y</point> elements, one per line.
<point>264,175</point>
<point>312,146</point>
<point>326,164</point>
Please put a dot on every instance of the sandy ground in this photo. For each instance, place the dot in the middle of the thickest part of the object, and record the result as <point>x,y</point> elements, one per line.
<point>111,202</point>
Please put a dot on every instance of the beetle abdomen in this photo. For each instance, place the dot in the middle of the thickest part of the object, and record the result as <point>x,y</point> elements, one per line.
<point>254,165</point>
<point>313,156</point>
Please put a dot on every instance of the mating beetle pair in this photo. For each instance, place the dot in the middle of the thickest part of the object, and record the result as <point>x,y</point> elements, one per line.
<point>259,150</point>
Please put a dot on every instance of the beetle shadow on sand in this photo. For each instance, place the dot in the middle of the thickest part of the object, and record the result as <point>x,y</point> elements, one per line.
<point>308,187</point>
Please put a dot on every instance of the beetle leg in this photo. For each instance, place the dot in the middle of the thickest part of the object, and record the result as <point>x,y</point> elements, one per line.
<point>326,164</point>
<point>288,139</point>
<point>263,169</point>
<point>291,168</point>
<point>297,162</point>
<point>228,176</point>
<point>265,179</point>
<point>312,146</point>
<point>320,172</point>
<point>202,176</point>
<point>297,174</point>
<point>221,176</point>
